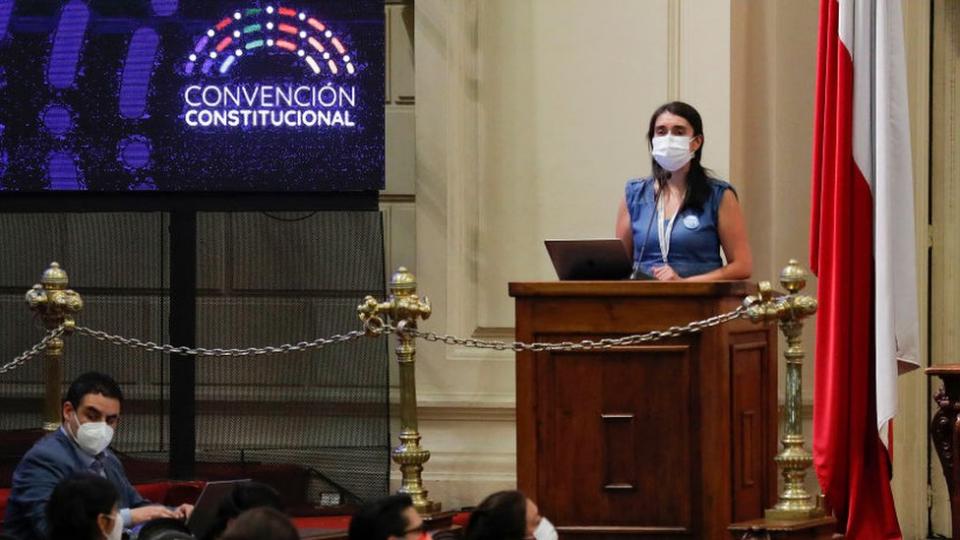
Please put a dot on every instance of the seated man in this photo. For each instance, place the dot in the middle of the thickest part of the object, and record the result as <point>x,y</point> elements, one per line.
<point>90,413</point>
<point>390,518</point>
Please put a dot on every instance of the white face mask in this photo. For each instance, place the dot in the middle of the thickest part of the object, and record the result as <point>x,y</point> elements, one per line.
<point>545,530</point>
<point>93,437</point>
<point>116,533</point>
<point>672,152</point>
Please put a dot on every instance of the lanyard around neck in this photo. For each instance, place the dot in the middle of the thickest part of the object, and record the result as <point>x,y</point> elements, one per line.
<point>664,232</point>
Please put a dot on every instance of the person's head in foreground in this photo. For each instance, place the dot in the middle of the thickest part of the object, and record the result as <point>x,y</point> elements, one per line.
<point>263,523</point>
<point>508,515</point>
<point>84,507</point>
<point>389,518</point>
<point>243,497</point>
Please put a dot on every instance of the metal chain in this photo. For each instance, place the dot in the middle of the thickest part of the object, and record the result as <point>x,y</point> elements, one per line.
<point>32,351</point>
<point>375,327</point>
<point>587,344</point>
<point>200,351</point>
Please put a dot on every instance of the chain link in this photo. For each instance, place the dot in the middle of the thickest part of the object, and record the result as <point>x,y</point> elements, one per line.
<point>32,351</point>
<point>585,345</point>
<point>200,351</point>
<point>376,327</point>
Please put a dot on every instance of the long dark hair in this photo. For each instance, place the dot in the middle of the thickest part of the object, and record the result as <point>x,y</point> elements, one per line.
<point>698,187</point>
<point>75,504</point>
<point>501,516</point>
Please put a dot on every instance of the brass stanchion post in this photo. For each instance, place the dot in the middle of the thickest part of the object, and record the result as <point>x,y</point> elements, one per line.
<point>404,308</point>
<point>56,305</point>
<point>794,459</point>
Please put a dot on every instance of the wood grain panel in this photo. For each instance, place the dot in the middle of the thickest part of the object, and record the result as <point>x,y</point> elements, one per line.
<point>619,451</point>
<point>670,439</point>
<point>651,451</point>
<point>748,365</point>
<point>748,431</point>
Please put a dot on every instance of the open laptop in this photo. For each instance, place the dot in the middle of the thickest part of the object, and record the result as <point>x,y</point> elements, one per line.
<point>599,259</point>
<point>204,514</point>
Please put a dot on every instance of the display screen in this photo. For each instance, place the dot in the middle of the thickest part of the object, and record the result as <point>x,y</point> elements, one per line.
<point>191,95</point>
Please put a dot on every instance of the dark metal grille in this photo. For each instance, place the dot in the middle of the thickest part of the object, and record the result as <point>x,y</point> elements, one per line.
<point>283,277</point>
<point>263,279</point>
<point>118,262</point>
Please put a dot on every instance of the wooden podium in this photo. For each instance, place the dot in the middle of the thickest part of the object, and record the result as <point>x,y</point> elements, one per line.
<point>674,439</point>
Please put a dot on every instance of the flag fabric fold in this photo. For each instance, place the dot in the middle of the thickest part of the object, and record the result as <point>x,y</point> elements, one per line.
<point>862,249</point>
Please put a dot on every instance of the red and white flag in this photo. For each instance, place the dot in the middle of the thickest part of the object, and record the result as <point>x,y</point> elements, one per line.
<point>862,249</point>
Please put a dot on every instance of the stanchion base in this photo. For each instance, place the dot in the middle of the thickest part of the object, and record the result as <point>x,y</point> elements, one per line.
<point>821,528</point>
<point>776,514</point>
<point>438,520</point>
<point>425,508</point>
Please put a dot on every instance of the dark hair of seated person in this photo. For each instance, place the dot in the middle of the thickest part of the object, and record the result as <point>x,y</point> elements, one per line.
<point>262,523</point>
<point>75,505</point>
<point>381,519</point>
<point>243,497</point>
<point>93,382</point>
<point>501,516</point>
<point>165,529</point>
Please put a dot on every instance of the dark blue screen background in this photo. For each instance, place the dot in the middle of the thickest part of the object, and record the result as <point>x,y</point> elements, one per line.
<point>91,97</point>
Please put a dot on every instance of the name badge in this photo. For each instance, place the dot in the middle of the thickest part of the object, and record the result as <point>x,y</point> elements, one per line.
<point>691,222</point>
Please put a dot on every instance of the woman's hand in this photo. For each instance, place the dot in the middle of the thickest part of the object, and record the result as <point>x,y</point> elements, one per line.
<point>665,273</point>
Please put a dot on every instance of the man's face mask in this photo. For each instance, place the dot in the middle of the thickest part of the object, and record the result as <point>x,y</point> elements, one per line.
<point>92,437</point>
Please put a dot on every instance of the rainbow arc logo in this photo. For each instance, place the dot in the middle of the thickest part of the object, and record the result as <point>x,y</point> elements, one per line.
<point>280,29</point>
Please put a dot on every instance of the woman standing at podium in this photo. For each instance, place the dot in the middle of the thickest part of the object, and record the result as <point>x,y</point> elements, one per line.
<point>676,221</point>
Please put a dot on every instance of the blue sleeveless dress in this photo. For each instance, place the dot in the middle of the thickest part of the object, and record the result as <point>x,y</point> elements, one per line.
<point>694,241</point>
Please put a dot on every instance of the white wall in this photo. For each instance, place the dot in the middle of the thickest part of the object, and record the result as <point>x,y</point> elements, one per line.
<point>566,89</point>
<point>530,117</point>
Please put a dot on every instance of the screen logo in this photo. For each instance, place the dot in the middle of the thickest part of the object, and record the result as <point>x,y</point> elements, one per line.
<point>324,97</point>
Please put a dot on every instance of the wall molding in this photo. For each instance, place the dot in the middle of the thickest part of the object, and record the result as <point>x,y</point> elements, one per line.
<point>944,175</point>
<point>467,354</point>
<point>674,39</point>
<point>463,169</point>
<point>465,466</point>
<point>458,479</point>
<point>460,406</point>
